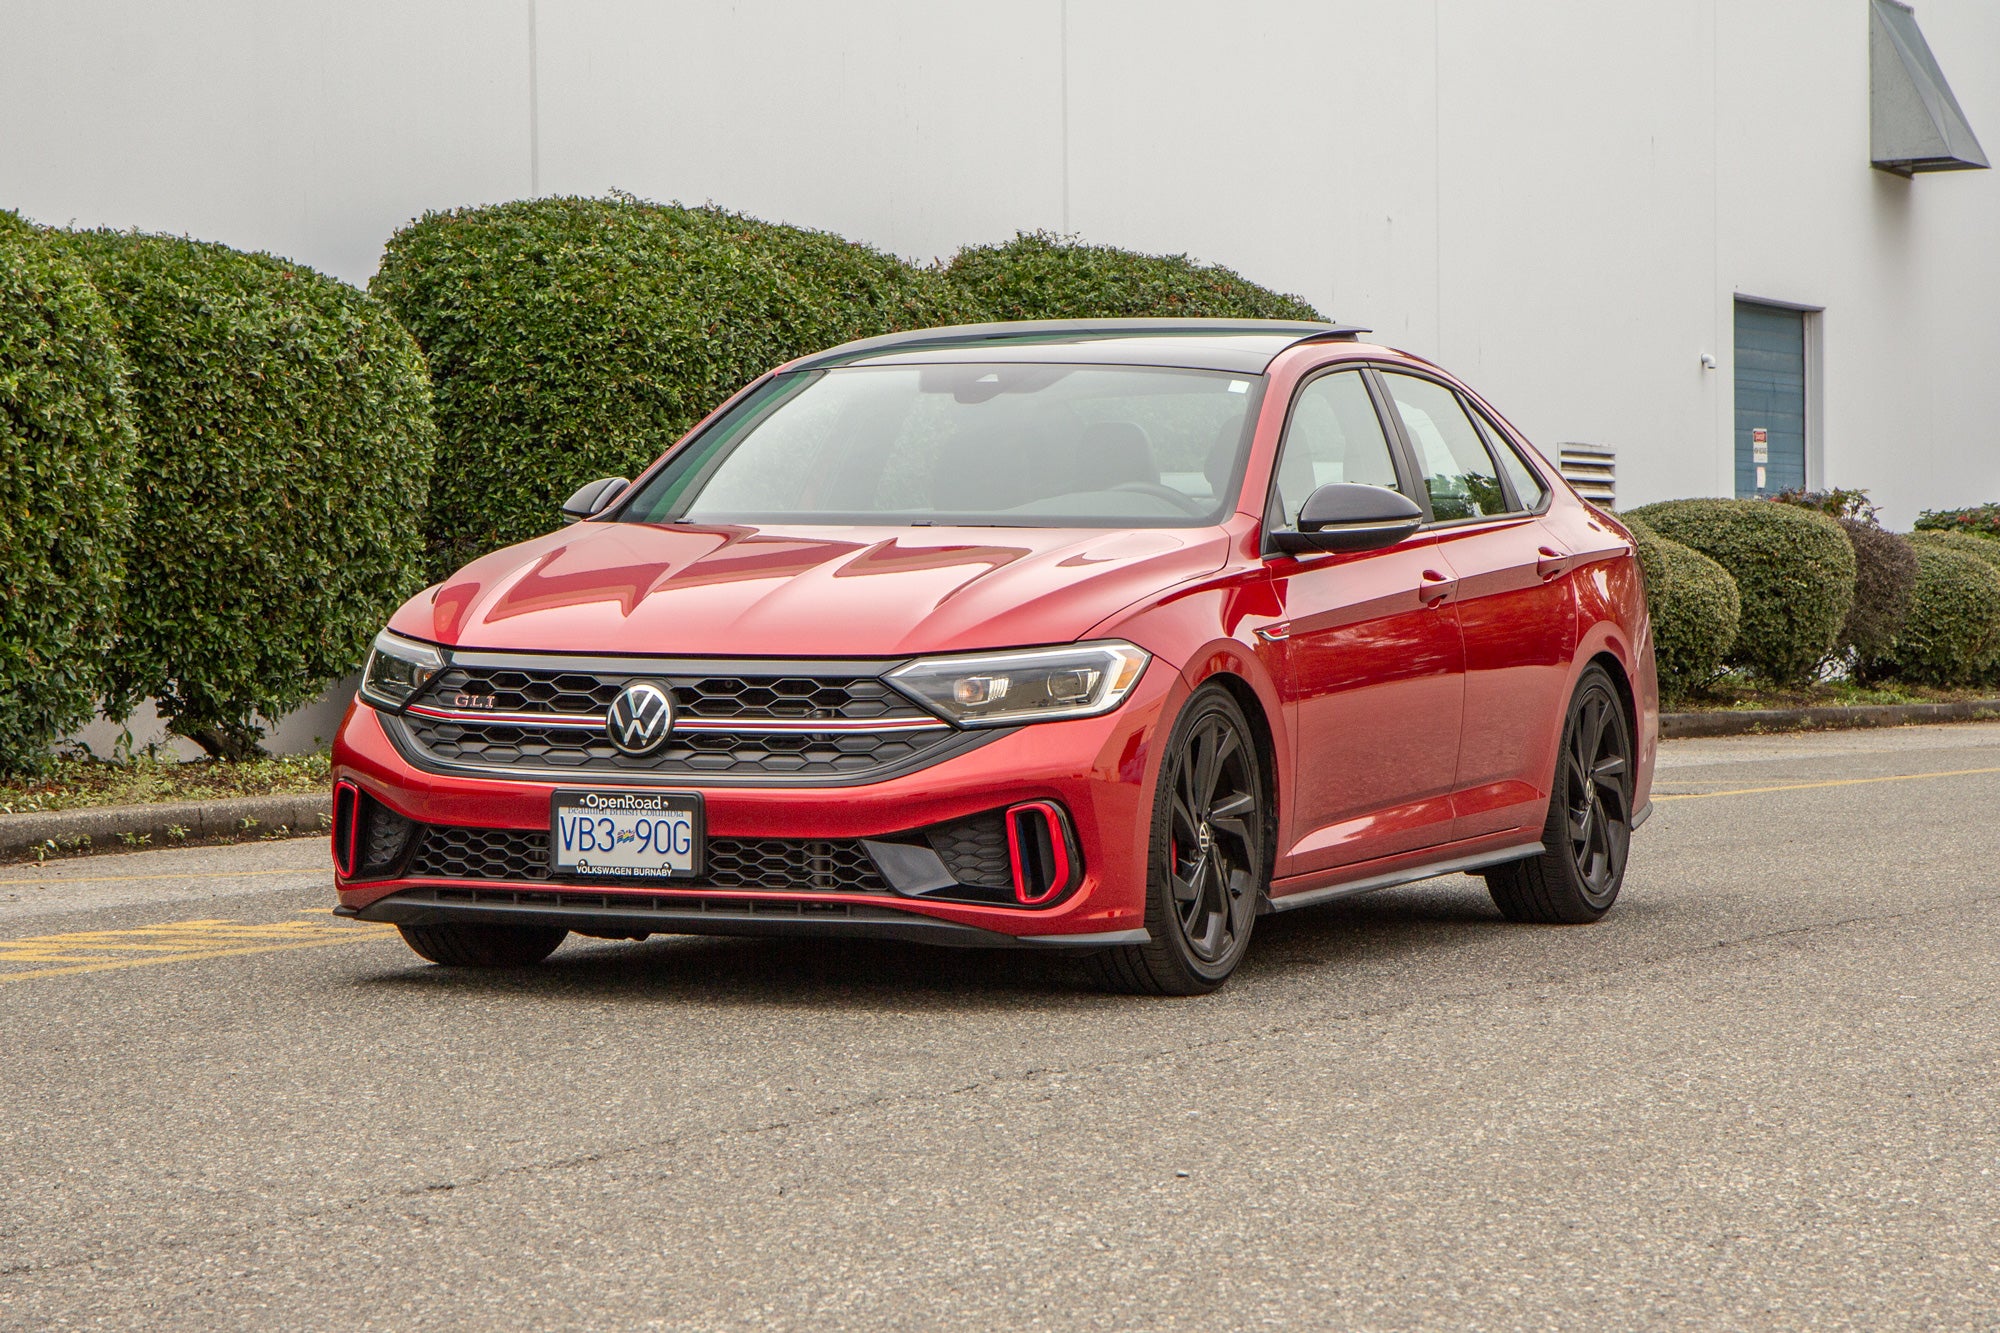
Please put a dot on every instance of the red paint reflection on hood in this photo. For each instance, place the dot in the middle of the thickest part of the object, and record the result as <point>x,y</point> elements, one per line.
<point>734,591</point>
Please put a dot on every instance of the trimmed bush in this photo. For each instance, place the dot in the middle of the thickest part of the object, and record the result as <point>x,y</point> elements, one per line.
<point>1695,611</point>
<point>1040,276</point>
<point>285,447</point>
<point>1794,570</point>
<point>1976,520</point>
<point>1885,576</point>
<point>1953,630</point>
<point>66,447</point>
<point>1979,548</point>
<point>577,338</point>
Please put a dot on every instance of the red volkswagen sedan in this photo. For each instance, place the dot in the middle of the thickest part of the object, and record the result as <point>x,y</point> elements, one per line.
<point>1101,636</point>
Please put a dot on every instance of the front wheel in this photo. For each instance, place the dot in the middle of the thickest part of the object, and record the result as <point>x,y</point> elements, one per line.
<point>1588,833</point>
<point>471,944</point>
<point>1210,856</point>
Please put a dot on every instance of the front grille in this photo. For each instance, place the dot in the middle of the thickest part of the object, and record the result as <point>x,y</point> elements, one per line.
<point>688,753</point>
<point>512,689</point>
<point>821,865</point>
<point>549,721</point>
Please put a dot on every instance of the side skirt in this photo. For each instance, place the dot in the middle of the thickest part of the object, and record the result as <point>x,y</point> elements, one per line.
<point>1408,875</point>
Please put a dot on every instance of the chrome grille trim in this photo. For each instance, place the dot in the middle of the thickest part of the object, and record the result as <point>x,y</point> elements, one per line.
<point>774,727</point>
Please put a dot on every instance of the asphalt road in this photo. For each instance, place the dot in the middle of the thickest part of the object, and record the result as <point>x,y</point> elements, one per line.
<point>1761,1094</point>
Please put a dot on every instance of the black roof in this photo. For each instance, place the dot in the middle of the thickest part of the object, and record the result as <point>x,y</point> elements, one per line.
<point>1245,346</point>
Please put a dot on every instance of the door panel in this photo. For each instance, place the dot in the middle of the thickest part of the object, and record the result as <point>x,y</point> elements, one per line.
<point>1515,610</point>
<point>1372,665</point>
<point>1374,690</point>
<point>1513,605</point>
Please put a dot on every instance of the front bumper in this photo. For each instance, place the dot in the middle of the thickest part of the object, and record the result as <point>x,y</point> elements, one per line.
<point>1098,770</point>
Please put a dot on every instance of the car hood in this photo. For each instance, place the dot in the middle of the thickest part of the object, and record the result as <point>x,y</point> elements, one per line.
<point>733,591</point>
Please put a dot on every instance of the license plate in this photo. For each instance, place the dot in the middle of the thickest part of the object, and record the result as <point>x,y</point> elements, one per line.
<point>626,834</point>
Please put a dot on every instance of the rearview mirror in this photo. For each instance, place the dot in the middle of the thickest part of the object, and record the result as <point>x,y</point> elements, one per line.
<point>591,497</point>
<point>1349,517</point>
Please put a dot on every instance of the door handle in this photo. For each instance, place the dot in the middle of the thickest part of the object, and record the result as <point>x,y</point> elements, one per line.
<point>1435,587</point>
<point>1552,563</point>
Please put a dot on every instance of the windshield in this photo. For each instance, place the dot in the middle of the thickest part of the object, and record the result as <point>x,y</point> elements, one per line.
<point>1029,445</point>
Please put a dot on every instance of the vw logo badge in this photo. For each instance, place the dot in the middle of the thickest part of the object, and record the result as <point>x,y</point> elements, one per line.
<point>641,718</point>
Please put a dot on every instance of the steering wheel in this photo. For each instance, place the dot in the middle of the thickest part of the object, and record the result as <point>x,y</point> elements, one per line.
<point>1187,504</point>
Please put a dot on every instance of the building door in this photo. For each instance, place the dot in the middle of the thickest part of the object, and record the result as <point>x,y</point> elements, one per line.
<point>1770,399</point>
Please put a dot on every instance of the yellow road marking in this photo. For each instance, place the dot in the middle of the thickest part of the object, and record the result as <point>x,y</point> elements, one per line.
<point>1808,786</point>
<point>172,942</point>
<point>196,874</point>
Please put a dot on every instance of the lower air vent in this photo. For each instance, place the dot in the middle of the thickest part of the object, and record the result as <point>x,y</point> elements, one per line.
<point>778,865</point>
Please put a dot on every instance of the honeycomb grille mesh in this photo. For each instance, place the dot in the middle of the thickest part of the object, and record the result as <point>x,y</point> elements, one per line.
<point>775,698</point>
<point>974,850</point>
<point>821,865</point>
<point>696,753</point>
<point>563,745</point>
<point>385,834</point>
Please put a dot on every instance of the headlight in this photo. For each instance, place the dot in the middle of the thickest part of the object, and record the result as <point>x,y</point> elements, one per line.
<point>397,668</point>
<point>1038,685</point>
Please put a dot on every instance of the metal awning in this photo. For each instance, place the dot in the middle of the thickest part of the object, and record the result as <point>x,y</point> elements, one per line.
<point>1915,123</point>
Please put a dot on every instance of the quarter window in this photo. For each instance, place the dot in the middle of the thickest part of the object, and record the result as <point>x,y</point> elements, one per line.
<point>1334,435</point>
<point>1458,472</point>
<point>1528,488</point>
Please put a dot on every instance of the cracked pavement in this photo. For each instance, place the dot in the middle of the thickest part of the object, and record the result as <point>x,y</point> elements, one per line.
<point>1760,1094</point>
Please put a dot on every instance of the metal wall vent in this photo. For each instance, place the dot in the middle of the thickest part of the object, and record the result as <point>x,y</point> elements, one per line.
<point>1592,469</point>
<point>1915,124</point>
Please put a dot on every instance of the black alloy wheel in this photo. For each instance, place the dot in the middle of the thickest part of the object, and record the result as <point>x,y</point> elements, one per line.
<point>1210,860</point>
<point>1588,834</point>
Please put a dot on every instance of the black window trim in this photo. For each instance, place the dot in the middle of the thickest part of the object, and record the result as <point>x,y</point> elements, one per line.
<point>1515,511</point>
<point>1408,480</point>
<point>1488,423</point>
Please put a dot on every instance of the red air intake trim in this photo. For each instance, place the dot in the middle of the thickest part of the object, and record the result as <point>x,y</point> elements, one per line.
<point>346,826</point>
<point>1039,852</point>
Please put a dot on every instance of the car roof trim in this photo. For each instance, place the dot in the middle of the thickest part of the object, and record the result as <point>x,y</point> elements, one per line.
<point>1219,344</point>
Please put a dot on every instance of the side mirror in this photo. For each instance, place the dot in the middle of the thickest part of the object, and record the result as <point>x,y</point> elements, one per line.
<point>1350,517</point>
<point>591,497</point>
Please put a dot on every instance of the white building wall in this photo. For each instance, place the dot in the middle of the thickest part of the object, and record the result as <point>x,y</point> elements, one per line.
<point>1560,202</point>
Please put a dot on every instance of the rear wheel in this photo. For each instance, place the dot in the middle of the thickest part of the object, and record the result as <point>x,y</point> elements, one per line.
<point>1210,856</point>
<point>1588,833</point>
<point>469,944</point>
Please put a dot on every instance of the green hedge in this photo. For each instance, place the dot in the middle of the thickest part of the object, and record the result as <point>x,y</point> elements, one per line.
<point>1040,276</point>
<point>577,338</point>
<point>1794,569</point>
<point>285,447</point>
<point>66,447</point>
<point>1695,611</point>
<point>1953,630</point>
<point>1983,549</point>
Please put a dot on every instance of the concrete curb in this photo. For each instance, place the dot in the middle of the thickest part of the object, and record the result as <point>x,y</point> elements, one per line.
<point>1744,722</point>
<point>113,828</point>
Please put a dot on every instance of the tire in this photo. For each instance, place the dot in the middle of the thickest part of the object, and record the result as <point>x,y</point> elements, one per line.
<point>1209,862</point>
<point>458,944</point>
<point>1588,834</point>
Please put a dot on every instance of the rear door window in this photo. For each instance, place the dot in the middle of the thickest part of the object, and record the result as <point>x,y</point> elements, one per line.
<point>1459,473</point>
